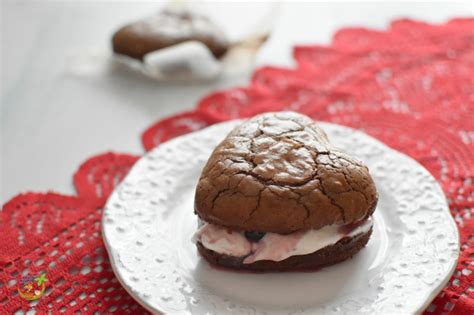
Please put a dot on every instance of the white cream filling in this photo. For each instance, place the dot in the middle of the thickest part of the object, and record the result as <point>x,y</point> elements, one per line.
<point>273,246</point>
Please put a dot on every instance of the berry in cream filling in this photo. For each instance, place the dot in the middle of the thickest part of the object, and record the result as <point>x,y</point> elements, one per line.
<point>255,246</point>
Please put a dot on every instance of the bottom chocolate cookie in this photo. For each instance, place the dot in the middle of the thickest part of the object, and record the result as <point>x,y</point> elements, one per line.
<point>329,255</point>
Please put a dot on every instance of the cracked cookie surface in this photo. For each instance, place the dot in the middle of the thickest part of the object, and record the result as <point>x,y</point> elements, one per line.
<point>277,172</point>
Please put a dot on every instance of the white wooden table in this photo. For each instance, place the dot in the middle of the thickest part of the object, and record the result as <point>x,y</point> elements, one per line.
<point>62,101</point>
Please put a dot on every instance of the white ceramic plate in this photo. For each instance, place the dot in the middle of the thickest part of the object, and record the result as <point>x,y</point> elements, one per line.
<point>148,224</point>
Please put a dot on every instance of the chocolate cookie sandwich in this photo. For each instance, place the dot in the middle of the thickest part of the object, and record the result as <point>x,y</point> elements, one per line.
<point>165,29</point>
<point>276,196</point>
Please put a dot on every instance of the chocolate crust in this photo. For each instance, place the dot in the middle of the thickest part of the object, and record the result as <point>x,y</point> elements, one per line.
<point>329,255</point>
<point>278,172</point>
<point>166,29</point>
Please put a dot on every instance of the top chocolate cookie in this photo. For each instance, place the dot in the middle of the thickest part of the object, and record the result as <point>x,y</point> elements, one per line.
<point>277,172</point>
<point>166,29</point>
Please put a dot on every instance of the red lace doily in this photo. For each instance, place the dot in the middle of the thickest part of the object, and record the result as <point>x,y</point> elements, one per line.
<point>411,86</point>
